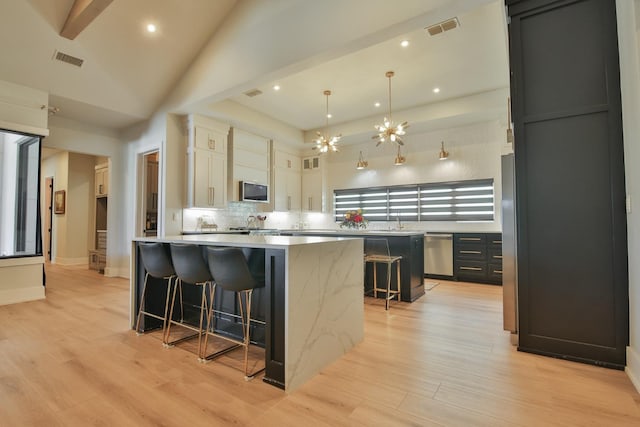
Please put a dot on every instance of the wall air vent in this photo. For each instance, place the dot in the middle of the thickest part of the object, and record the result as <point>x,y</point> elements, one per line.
<point>443,26</point>
<point>253,92</point>
<point>63,57</point>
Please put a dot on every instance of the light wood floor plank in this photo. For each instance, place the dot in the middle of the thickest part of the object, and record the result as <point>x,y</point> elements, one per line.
<point>71,360</point>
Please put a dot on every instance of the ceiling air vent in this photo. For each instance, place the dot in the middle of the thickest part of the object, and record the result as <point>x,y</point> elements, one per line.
<point>443,26</point>
<point>59,56</point>
<point>253,92</point>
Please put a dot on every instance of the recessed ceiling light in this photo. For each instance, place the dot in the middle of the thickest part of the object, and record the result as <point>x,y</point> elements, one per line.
<point>151,28</point>
<point>436,90</point>
<point>404,43</point>
<point>276,87</point>
<point>377,104</point>
<point>329,116</point>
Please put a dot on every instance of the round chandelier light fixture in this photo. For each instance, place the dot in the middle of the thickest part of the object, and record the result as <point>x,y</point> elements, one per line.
<point>324,144</point>
<point>388,131</point>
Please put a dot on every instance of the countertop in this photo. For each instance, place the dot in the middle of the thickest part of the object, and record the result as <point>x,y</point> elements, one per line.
<point>312,231</point>
<point>243,240</point>
<point>358,233</point>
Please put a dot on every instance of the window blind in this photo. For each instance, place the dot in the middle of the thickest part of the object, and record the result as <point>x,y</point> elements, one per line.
<point>471,200</point>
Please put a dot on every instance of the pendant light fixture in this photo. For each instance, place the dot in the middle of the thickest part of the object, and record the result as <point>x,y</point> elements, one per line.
<point>388,131</point>
<point>400,159</point>
<point>444,155</point>
<point>323,144</point>
<point>362,163</point>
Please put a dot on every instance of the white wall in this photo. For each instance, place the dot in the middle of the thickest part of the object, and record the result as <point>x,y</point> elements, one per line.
<point>629,43</point>
<point>80,210</point>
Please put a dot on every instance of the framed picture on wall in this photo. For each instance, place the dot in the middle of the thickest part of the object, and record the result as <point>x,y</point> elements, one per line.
<point>59,202</point>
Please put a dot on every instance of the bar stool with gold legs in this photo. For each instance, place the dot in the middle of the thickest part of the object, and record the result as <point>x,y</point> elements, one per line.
<point>157,264</point>
<point>231,272</point>
<point>192,269</point>
<point>376,251</point>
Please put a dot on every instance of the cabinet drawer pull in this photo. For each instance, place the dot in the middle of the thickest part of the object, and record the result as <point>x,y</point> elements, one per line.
<point>470,239</point>
<point>288,203</point>
<point>497,256</point>
<point>310,203</point>
<point>497,271</point>
<point>471,268</point>
<point>470,252</point>
<point>497,242</point>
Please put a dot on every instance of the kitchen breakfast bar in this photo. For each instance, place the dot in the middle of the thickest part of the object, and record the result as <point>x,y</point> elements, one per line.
<point>311,306</point>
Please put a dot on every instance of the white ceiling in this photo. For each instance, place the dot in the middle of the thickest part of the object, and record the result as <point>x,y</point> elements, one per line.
<point>463,61</point>
<point>128,73</point>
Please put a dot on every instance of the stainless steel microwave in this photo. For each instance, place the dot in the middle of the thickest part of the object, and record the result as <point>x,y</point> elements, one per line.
<point>253,192</point>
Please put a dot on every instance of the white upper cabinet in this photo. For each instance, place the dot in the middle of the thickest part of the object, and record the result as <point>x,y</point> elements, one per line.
<point>312,187</point>
<point>102,180</point>
<point>210,139</point>
<point>207,163</point>
<point>287,182</point>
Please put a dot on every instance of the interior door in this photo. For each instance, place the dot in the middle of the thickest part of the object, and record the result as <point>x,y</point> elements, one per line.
<point>48,217</point>
<point>150,199</point>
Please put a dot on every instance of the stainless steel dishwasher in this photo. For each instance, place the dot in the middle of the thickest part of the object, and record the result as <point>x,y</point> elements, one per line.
<point>438,254</point>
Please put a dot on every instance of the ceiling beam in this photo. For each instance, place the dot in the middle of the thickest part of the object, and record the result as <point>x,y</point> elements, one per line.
<point>82,13</point>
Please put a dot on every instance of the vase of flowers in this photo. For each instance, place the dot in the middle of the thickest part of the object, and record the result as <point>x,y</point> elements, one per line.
<point>353,219</point>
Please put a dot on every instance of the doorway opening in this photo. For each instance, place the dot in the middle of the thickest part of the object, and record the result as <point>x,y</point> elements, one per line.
<point>149,208</point>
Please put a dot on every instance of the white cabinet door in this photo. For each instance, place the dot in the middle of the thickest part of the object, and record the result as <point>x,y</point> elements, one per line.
<point>218,180</point>
<point>312,191</point>
<point>280,196</point>
<point>102,182</point>
<point>209,139</point>
<point>210,177</point>
<point>294,190</point>
<point>310,163</point>
<point>287,190</point>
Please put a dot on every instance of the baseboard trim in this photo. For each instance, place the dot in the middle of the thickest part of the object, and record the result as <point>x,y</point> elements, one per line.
<point>633,367</point>
<point>71,261</point>
<point>14,296</point>
<point>117,272</point>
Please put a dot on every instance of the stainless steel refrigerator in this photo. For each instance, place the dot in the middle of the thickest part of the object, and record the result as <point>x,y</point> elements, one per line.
<point>509,255</point>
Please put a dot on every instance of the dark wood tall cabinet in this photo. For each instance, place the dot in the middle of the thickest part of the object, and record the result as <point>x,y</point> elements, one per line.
<point>572,244</point>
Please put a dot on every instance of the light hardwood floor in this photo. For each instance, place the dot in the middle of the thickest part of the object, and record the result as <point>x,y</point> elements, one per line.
<point>71,360</point>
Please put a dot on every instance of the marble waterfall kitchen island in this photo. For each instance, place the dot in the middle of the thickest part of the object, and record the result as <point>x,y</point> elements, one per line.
<point>312,302</point>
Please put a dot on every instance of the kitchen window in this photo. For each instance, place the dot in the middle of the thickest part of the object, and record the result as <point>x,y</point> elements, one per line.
<point>460,201</point>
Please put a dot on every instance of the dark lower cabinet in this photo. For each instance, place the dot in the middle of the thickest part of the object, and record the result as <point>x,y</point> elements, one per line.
<point>573,289</point>
<point>477,257</point>
<point>408,245</point>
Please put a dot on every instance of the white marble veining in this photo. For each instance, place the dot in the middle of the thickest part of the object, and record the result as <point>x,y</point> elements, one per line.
<point>325,307</point>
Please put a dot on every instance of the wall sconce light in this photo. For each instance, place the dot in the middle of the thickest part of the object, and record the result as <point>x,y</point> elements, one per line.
<point>362,163</point>
<point>400,159</point>
<point>444,155</point>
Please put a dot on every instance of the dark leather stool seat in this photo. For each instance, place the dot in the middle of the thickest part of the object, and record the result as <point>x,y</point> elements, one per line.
<point>230,271</point>
<point>191,269</point>
<point>157,264</point>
